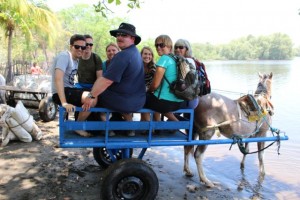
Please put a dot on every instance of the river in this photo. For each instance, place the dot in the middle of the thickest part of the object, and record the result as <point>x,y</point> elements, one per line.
<point>282,180</point>
<point>233,79</point>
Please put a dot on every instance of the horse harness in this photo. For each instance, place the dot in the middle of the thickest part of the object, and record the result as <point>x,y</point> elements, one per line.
<point>252,110</point>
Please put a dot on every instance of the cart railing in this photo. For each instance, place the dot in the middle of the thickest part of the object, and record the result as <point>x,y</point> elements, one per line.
<point>182,137</point>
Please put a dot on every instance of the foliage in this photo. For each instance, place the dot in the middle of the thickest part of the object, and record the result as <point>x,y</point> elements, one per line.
<point>297,51</point>
<point>83,19</point>
<point>35,33</point>
<point>277,46</point>
<point>22,16</point>
<point>103,8</point>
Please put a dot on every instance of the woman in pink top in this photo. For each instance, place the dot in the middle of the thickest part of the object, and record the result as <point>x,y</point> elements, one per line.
<point>35,69</point>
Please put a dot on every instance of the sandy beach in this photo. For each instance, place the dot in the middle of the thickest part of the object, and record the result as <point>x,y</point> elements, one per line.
<point>42,170</point>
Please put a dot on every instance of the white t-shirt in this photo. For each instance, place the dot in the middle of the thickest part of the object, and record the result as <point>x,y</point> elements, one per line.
<point>64,62</point>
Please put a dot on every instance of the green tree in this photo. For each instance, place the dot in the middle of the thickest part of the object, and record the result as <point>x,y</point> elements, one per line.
<point>205,51</point>
<point>277,46</point>
<point>83,19</point>
<point>103,8</point>
<point>281,47</point>
<point>23,16</point>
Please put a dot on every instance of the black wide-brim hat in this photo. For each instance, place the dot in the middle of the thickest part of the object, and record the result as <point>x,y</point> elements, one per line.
<point>128,29</point>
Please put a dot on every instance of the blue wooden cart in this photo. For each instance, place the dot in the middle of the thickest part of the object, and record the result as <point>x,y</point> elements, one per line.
<point>127,177</point>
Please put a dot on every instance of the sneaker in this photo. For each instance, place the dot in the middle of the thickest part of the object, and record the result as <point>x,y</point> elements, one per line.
<point>111,133</point>
<point>130,133</point>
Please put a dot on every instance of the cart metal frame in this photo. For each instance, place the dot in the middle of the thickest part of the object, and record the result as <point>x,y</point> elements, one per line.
<point>127,177</point>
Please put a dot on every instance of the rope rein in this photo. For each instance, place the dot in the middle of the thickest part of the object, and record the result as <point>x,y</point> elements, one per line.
<point>238,140</point>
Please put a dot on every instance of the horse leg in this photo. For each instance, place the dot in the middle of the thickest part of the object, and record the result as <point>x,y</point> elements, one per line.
<point>244,156</point>
<point>260,146</point>
<point>199,154</point>
<point>186,168</point>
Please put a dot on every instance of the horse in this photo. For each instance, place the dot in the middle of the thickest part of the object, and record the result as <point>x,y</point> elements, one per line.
<point>231,118</point>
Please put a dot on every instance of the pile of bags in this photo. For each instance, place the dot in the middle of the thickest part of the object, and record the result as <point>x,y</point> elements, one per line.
<point>31,82</point>
<point>18,124</point>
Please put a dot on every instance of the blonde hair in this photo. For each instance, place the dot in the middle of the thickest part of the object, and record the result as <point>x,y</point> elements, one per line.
<point>112,44</point>
<point>166,40</point>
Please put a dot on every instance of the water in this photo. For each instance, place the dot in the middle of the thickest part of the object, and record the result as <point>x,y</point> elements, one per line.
<point>233,78</point>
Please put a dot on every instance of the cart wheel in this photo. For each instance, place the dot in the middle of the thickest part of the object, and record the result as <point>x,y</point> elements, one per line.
<point>130,179</point>
<point>47,109</point>
<point>103,158</point>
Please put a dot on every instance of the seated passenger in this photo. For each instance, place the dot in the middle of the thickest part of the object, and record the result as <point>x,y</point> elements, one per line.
<point>64,69</point>
<point>111,50</point>
<point>149,70</point>
<point>122,86</point>
<point>89,66</point>
<point>159,97</point>
<point>183,48</point>
<point>89,69</point>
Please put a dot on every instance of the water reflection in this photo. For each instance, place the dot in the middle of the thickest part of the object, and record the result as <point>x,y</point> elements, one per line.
<point>234,78</point>
<point>254,190</point>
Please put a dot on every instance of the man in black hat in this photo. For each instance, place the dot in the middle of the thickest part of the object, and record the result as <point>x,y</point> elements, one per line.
<point>122,87</point>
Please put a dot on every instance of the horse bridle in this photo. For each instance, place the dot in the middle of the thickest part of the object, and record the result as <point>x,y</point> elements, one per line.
<point>269,106</point>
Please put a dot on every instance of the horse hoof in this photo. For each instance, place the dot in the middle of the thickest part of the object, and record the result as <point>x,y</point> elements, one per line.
<point>209,184</point>
<point>189,174</point>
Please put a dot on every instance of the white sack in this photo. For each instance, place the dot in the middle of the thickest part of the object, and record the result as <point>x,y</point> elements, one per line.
<point>7,136</point>
<point>22,116</point>
<point>4,133</point>
<point>5,112</point>
<point>36,133</point>
<point>18,130</point>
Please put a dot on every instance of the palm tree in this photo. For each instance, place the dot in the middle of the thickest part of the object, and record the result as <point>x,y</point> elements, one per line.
<point>21,15</point>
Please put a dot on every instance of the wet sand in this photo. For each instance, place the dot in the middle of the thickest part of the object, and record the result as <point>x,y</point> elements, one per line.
<point>42,170</point>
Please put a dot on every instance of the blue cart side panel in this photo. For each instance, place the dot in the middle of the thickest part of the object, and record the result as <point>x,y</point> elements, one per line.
<point>100,129</point>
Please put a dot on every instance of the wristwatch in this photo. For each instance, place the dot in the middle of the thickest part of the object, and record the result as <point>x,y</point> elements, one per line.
<point>90,96</point>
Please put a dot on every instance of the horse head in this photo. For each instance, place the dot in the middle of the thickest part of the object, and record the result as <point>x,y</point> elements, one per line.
<point>265,85</point>
<point>263,92</point>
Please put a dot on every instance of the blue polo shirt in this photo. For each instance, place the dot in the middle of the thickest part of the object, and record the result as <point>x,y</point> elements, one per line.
<point>127,93</point>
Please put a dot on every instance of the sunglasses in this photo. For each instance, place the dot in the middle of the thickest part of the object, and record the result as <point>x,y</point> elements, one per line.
<point>89,44</point>
<point>179,47</point>
<point>78,47</point>
<point>121,35</point>
<point>161,45</point>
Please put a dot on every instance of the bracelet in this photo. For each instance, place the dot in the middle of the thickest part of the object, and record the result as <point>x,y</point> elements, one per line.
<point>64,104</point>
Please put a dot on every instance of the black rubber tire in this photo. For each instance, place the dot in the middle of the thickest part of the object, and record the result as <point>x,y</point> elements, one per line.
<point>130,179</point>
<point>47,109</point>
<point>103,158</point>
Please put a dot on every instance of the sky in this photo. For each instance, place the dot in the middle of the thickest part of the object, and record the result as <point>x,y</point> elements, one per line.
<point>212,21</point>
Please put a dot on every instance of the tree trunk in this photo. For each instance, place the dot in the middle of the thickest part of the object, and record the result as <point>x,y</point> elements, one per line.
<point>9,70</point>
<point>44,46</point>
